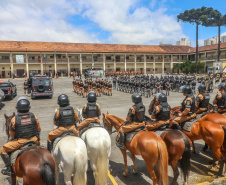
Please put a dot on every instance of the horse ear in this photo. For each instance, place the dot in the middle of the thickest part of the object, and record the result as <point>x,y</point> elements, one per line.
<point>107,112</point>
<point>13,114</point>
<point>103,114</point>
<point>6,117</point>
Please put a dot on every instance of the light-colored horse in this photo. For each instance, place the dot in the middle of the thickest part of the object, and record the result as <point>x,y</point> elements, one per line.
<point>98,143</point>
<point>70,155</point>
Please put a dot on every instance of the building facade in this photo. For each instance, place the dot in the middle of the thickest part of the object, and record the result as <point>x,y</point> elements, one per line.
<point>184,42</point>
<point>27,58</point>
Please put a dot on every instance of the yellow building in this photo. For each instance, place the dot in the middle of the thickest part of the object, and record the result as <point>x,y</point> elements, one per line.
<point>24,58</point>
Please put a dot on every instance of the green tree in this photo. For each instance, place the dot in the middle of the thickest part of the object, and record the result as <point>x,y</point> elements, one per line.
<point>187,66</point>
<point>193,16</point>
<point>214,18</point>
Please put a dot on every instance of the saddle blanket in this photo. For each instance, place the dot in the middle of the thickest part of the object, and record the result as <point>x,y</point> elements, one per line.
<point>14,155</point>
<point>91,125</point>
<point>129,135</point>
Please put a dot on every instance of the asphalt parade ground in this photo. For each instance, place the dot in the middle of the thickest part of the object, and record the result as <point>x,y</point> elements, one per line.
<point>118,104</point>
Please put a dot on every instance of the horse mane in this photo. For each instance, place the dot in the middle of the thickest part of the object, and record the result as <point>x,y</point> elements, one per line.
<point>111,116</point>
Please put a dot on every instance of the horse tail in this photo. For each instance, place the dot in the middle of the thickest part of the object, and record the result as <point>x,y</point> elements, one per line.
<point>163,161</point>
<point>185,160</point>
<point>47,174</point>
<point>80,165</point>
<point>102,164</point>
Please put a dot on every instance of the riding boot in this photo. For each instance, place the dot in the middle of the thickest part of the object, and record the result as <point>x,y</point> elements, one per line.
<point>49,146</point>
<point>6,159</point>
<point>176,126</point>
<point>120,141</point>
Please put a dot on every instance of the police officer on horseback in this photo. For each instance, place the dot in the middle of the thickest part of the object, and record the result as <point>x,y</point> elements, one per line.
<point>135,119</point>
<point>24,127</point>
<point>161,113</point>
<point>65,119</point>
<point>91,111</point>
<point>202,100</point>
<point>220,98</point>
<point>188,108</point>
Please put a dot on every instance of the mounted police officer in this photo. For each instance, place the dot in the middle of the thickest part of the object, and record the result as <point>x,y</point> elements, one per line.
<point>24,127</point>
<point>65,119</point>
<point>135,119</point>
<point>161,113</point>
<point>220,98</point>
<point>202,100</point>
<point>188,108</point>
<point>91,111</point>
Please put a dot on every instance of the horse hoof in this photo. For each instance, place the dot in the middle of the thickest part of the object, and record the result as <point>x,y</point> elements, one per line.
<point>134,171</point>
<point>125,174</point>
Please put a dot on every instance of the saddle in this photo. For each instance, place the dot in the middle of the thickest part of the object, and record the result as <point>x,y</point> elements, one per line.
<point>129,135</point>
<point>187,125</point>
<point>27,146</point>
<point>65,133</point>
<point>91,125</point>
<point>162,129</point>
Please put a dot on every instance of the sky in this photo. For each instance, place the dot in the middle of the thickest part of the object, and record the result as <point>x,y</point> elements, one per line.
<point>142,22</point>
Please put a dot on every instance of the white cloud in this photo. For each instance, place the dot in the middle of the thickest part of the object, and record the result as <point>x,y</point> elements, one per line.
<point>47,20</point>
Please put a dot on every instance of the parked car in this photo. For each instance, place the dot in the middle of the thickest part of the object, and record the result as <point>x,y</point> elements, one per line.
<point>2,96</point>
<point>41,86</point>
<point>9,89</point>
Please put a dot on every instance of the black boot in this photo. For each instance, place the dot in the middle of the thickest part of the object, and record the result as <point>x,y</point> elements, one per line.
<point>176,126</point>
<point>6,159</point>
<point>120,141</point>
<point>49,146</point>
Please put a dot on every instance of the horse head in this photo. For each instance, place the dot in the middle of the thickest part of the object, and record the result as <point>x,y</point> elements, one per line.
<point>107,124</point>
<point>8,123</point>
<point>80,114</point>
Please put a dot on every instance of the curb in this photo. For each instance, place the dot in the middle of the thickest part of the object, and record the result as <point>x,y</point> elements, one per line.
<point>218,181</point>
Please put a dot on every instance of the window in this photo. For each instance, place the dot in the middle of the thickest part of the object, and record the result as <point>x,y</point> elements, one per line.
<point>31,57</point>
<point>64,56</point>
<point>69,56</point>
<point>5,57</point>
<point>95,58</point>
<point>152,58</point>
<point>58,55</point>
<point>108,57</point>
<point>127,57</point>
<point>139,58</point>
<point>117,58</point>
<point>148,57</point>
<point>83,57</point>
<point>76,57</point>
<point>52,56</point>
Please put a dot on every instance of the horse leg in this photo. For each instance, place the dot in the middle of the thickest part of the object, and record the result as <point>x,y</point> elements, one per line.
<point>13,179</point>
<point>150,168</point>
<point>193,147</point>
<point>173,163</point>
<point>57,174</point>
<point>125,173</point>
<point>134,164</point>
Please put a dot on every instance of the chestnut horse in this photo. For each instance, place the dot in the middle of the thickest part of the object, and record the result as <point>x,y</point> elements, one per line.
<point>210,132</point>
<point>147,144</point>
<point>36,166</point>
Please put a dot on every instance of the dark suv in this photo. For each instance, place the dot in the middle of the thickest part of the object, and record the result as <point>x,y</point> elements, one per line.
<point>41,86</point>
<point>9,89</point>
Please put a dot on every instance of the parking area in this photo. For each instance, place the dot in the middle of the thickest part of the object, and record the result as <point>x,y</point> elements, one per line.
<point>118,104</point>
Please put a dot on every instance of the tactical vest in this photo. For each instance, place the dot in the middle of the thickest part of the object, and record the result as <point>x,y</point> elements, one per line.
<point>91,110</point>
<point>164,113</point>
<point>222,102</point>
<point>110,85</point>
<point>193,107</point>
<point>139,112</point>
<point>67,117</point>
<point>25,84</point>
<point>25,126</point>
<point>205,102</point>
<point>85,86</point>
<point>81,84</point>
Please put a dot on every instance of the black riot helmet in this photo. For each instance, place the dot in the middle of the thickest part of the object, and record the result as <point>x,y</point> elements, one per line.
<point>92,97</point>
<point>162,97</point>
<point>221,85</point>
<point>23,105</point>
<point>187,89</point>
<point>63,100</point>
<point>202,88</point>
<point>136,98</point>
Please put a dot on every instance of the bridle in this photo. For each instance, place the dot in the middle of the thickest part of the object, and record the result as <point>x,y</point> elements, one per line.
<point>108,126</point>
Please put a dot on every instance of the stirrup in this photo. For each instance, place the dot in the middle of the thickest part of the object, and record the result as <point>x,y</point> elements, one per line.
<point>118,144</point>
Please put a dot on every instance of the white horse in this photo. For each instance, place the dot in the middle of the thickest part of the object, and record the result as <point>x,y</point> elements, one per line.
<point>98,143</point>
<point>70,155</point>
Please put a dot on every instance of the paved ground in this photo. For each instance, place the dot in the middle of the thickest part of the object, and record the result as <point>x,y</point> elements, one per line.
<point>118,105</point>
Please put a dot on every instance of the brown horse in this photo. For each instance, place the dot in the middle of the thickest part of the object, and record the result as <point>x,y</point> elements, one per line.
<point>147,144</point>
<point>211,133</point>
<point>36,166</point>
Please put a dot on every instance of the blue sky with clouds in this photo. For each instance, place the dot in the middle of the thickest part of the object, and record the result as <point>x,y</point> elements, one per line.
<point>102,21</point>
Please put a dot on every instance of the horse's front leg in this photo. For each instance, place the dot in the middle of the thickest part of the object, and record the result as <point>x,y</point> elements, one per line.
<point>125,173</point>
<point>134,164</point>
<point>13,179</point>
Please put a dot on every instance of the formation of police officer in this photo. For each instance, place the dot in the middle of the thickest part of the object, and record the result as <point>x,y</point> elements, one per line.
<point>24,127</point>
<point>99,86</point>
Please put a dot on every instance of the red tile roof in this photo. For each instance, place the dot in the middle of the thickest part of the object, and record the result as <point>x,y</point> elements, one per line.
<point>209,47</point>
<point>23,46</point>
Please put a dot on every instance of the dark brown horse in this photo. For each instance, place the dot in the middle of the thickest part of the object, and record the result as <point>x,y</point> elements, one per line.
<point>211,133</point>
<point>147,144</point>
<point>36,166</point>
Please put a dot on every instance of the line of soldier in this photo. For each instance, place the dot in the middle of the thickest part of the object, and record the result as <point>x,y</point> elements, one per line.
<point>99,86</point>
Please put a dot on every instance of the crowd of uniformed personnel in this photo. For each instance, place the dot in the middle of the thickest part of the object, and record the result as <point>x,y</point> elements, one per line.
<point>99,86</point>
<point>26,127</point>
